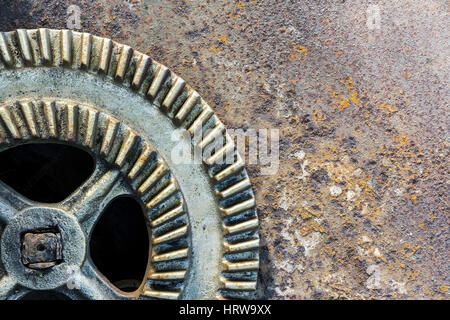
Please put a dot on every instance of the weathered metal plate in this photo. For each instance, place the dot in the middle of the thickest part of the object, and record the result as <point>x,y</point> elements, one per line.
<point>121,106</point>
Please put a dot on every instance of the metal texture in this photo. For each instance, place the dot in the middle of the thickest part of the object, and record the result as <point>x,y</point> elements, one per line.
<point>122,107</point>
<point>359,92</point>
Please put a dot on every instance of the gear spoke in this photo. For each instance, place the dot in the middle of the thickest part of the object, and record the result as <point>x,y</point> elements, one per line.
<point>11,202</point>
<point>89,201</point>
<point>88,283</point>
<point>8,288</point>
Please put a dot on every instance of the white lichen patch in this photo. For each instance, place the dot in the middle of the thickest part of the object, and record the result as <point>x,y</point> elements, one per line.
<point>300,154</point>
<point>374,281</point>
<point>350,195</point>
<point>309,242</point>
<point>335,191</point>
<point>377,253</point>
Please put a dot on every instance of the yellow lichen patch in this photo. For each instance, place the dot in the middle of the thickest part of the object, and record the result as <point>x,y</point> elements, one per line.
<point>215,50</point>
<point>318,116</point>
<point>311,226</point>
<point>223,39</point>
<point>344,104</point>
<point>401,139</point>
<point>349,85</point>
<point>355,98</point>
<point>240,5</point>
<point>228,107</point>
<point>387,108</point>
<point>305,214</point>
<point>350,96</point>
<point>233,16</point>
<point>338,54</point>
<point>298,52</point>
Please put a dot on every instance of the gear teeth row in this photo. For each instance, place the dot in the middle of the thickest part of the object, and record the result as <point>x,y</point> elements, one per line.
<point>117,144</point>
<point>164,89</point>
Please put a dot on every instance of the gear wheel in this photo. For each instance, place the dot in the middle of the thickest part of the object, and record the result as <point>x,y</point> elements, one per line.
<point>120,106</point>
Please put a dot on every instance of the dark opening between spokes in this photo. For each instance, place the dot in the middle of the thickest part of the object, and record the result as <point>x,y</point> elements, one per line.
<point>46,173</point>
<point>119,244</point>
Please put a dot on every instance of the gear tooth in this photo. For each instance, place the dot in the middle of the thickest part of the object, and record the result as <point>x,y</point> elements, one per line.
<point>50,116</point>
<point>211,136</point>
<point>230,170</point>
<point>91,128</point>
<point>10,123</point>
<point>66,46</point>
<point>157,82</point>
<point>172,235</point>
<point>241,266</point>
<point>5,51</point>
<point>124,61</point>
<point>25,47</point>
<point>168,295</point>
<point>105,57</point>
<point>171,275</point>
<point>171,255</point>
<point>174,92</point>
<point>45,44</point>
<point>238,187</point>
<point>154,177</point>
<point>86,47</point>
<point>241,246</point>
<point>187,106</point>
<point>171,214</point>
<point>141,71</point>
<point>140,163</point>
<point>221,154</point>
<point>239,285</point>
<point>72,122</point>
<point>27,109</point>
<point>200,119</point>
<point>127,145</point>
<point>241,227</point>
<point>110,137</point>
<point>164,194</point>
<point>238,208</point>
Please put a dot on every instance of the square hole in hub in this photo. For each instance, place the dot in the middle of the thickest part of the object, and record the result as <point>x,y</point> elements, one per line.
<point>41,250</point>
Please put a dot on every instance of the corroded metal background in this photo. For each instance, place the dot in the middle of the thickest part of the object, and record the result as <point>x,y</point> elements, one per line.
<point>359,208</point>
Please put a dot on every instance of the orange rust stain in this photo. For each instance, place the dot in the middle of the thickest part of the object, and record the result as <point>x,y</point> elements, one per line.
<point>223,39</point>
<point>298,53</point>
<point>355,98</point>
<point>387,108</point>
<point>344,104</point>
<point>215,50</point>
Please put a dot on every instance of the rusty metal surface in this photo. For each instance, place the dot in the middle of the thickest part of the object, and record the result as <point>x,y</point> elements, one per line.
<point>359,207</point>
